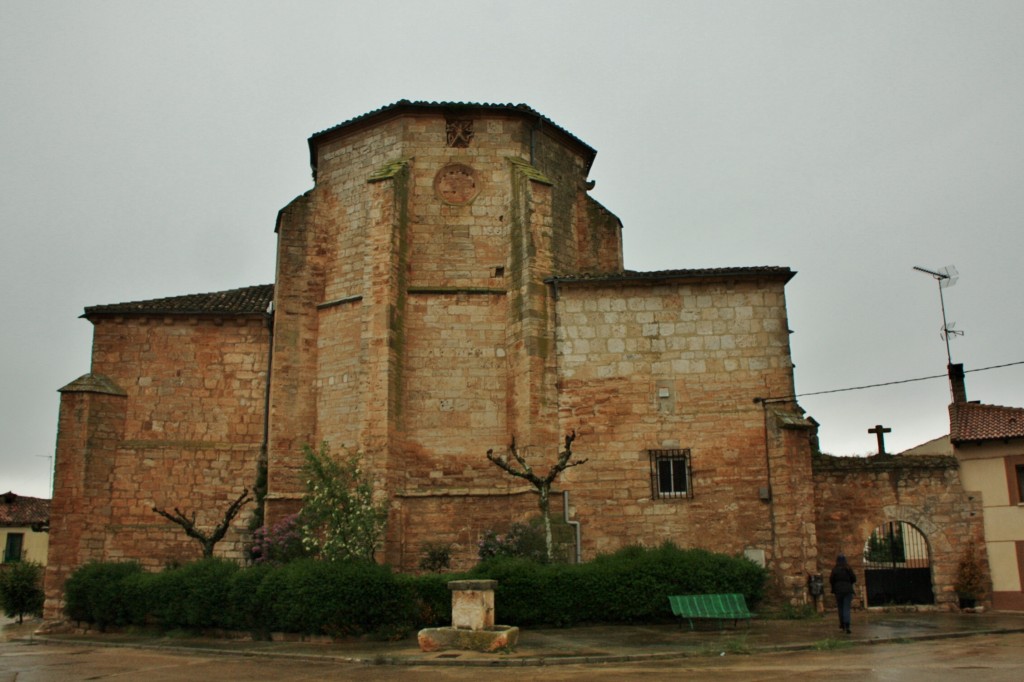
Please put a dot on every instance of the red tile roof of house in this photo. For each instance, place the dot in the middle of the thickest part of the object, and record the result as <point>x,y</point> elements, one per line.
<point>17,510</point>
<point>976,422</point>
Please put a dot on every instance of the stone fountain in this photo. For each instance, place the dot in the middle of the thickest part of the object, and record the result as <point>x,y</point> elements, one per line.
<point>472,625</point>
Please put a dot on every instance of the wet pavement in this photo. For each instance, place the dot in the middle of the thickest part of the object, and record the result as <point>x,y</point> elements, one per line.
<point>572,646</point>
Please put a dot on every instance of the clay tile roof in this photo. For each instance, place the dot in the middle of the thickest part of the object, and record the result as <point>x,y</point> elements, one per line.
<point>245,301</point>
<point>17,510</point>
<point>769,271</point>
<point>977,422</point>
<point>407,106</point>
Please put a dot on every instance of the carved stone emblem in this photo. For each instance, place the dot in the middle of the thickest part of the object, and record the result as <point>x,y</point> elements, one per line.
<point>456,184</point>
<point>460,132</point>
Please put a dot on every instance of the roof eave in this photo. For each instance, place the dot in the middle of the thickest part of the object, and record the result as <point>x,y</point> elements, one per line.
<point>407,107</point>
<point>87,315</point>
<point>781,274</point>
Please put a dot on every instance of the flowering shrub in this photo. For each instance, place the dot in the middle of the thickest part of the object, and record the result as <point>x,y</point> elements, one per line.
<point>339,519</point>
<point>279,543</point>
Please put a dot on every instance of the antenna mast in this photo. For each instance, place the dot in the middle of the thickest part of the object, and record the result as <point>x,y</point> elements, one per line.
<point>946,277</point>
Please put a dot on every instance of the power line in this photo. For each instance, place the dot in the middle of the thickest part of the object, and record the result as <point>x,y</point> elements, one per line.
<point>887,383</point>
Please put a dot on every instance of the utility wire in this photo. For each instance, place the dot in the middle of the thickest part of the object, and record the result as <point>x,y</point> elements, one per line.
<point>887,383</point>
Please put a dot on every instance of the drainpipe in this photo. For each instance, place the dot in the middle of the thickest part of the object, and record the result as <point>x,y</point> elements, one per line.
<point>565,493</point>
<point>264,463</point>
<point>575,525</point>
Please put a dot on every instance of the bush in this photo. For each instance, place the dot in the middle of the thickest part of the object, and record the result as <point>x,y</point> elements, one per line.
<point>357,597</point>
<point>339,519</point>
<point>21,589</point>
<point>335,598</point>
<point>246,611</point>
<point>105,594</point>
<point>280,543</point>
<point>630,585</point>
<point>437,557</point>
<point>193,596</point>
<point>432,600</point>
<point>526,541</point>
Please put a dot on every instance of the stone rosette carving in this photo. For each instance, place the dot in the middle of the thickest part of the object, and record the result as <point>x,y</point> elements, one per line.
<point>456,184</point>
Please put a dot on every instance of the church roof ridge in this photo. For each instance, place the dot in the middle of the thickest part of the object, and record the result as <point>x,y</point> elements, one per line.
<point>252,300</point>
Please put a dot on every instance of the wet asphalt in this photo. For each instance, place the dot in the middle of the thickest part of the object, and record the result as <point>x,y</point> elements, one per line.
<point>575,645</point>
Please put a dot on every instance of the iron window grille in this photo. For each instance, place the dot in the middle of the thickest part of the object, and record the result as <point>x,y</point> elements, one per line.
<point>670,474</point>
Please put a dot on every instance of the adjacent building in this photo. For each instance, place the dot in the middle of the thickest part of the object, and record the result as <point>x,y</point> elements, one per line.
<point>988,440</point>
<point>24,528</point>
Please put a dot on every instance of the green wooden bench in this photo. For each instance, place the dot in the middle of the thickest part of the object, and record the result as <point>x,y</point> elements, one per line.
<point>720,607</point>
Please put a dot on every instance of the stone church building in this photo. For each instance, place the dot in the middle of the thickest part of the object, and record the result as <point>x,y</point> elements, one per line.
<point>446,285</point>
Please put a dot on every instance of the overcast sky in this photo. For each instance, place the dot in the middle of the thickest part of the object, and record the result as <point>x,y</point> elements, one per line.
<point>146,147</point>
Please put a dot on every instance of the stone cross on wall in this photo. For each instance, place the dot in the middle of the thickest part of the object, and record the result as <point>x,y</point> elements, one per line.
<point>880,431</point>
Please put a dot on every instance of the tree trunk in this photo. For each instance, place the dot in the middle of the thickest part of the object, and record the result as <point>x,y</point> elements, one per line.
<point>545,492</point>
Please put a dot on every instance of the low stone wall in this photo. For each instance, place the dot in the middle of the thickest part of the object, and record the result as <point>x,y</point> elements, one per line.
<point>854,495</point>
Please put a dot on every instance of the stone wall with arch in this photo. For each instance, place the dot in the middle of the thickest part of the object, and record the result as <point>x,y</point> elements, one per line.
<point>854,495</point>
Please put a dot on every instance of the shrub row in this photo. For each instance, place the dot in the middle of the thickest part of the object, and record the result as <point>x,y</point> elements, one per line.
<point>357,597</point>
<point>306,596</point>
<point>630,585</point>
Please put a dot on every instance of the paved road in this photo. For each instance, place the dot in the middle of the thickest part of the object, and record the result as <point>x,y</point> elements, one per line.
<point>980,658</point>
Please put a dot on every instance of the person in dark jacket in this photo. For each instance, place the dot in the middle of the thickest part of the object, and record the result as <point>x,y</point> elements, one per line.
<point>842,581</point>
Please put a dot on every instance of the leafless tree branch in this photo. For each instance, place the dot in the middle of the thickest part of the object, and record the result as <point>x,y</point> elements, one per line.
<point>208,541</point>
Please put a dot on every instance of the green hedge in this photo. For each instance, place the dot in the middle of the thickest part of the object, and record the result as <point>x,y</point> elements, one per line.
<point>630,585</point>
<point>106,594</point>
<point>335,598</point>
<point>358,597</point>
<point>194,596</point>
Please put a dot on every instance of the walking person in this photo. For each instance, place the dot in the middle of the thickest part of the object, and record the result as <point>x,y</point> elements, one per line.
<point>842,581</point>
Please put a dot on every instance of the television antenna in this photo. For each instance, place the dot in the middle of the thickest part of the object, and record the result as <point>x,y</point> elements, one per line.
<point>946,277</point>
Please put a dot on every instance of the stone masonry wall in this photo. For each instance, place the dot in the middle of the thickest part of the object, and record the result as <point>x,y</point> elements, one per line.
<point>186,433</point>
<point>402,318</point>
<point>671,366</point>
<point>90,426</point>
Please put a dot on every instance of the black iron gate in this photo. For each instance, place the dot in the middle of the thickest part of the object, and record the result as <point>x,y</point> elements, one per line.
<point>897,566</point>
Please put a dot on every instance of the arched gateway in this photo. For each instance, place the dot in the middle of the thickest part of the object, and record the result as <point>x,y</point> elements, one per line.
<point>897,566</point>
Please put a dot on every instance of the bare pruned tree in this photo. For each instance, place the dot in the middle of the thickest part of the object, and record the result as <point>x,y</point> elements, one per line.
<point>208,541</point>
<point>514,463</point>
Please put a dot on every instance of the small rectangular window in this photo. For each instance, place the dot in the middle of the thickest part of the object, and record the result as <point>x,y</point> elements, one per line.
<point>670,473</point>
<point>12,549</point>
<point>1020,482</point>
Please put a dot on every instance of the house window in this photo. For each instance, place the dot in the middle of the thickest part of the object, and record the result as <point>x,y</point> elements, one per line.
<point>670,473</point>
<point>1020,483</point>
<point>12,548</point>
